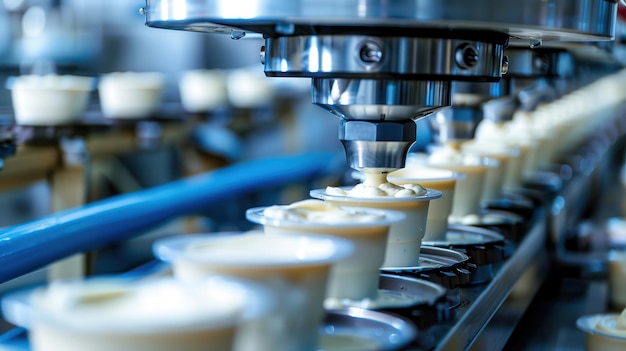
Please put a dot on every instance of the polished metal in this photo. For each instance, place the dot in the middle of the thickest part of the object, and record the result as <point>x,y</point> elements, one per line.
<point>385,57</point>
<point>588,20</point>
<point>377,126</point>
<point>539,62</point>
<point>385,61</point>
<point>386,156</point>
<point>381,100</point>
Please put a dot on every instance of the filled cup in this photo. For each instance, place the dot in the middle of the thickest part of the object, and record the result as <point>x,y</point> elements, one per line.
<point>103,314</point>
<point>405,237</point>
<point>203,90</point>
<point>604,332</point>
<point>50,99</point>
<point>131,95</point>
<point>466,205</point>
<point>355,277</point>
<point>617,278</point>
<point>295,266</point>
<point>510,170</point>
<point>439,209</point>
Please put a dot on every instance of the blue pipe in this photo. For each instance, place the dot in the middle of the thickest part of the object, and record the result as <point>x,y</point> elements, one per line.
<point>35,244</point>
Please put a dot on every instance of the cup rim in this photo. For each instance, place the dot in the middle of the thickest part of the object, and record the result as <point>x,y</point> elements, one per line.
<point>452,175</point>
<point>256,215</point>
<point>257,301</point>
<point>171,249</point>
<point>587,324</point>
<point>431,194</point>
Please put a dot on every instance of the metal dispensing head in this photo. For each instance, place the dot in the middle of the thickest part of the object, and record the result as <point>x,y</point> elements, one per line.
<point>381,65</point>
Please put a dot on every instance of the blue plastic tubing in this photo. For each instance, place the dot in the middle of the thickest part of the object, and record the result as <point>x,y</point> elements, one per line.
<point>35,244</point>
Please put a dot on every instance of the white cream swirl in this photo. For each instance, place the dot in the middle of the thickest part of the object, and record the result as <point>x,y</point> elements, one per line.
<point>319,211</point>
<point>613,324</point>
<point>362,190</point>
<point>448,155</point>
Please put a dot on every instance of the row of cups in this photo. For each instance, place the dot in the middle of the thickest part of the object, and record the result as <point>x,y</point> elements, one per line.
<point>236,291</point>
<point>324,252</point>
<point>62,99</point>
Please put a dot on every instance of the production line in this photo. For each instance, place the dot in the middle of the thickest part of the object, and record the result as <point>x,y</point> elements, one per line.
<point>498,229</point>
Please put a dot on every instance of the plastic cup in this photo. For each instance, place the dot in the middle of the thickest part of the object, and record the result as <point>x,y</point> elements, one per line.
<point>355,277</point>
<point>50,100</point>
<point>130,95</point>
<point>439,209</point>
<point>508,174</point>
<point>405,237</point>
<point>603,332</point>
<point>203,90</point>
<point>295,266</point>
<point>617,278</point>
<point>468,191</point>
<point>104,314</point>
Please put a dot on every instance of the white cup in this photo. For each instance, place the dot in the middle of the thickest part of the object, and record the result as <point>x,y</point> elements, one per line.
<point>130,95</point>
<point>203,90</point>
<point>50,99</point>
<point>509,172</point>
<point>617,278</point>
<point>468,190</point>
<point>604,332</point>
<point>295,266</point>
<point>439,209</point>
<point>355,277</point>
<point>405,237</point>
<point>103,314</point>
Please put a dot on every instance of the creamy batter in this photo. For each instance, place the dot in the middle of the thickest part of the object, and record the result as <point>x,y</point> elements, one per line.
<point>150,315</point>
<point>613,324</point>
<point>319,211</point>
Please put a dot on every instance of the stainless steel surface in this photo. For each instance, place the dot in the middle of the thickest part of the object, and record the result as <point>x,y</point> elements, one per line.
<point>388,331</point>
<point>354,55</point>
<point>380,99</point>
<point>366,56</point>
<point>371,144</point>
<point>422,291</point>
<point>465,235</point>
<point>486,300</point>
<point>552,19</point>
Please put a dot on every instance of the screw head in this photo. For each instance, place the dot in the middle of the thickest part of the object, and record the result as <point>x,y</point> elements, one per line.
<point>262,54</point>
<point>466,56</point>
<point>371,52</point>
<point>505,64</point>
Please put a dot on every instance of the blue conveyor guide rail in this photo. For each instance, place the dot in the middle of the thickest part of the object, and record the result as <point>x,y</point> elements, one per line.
<point>27,247</point>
